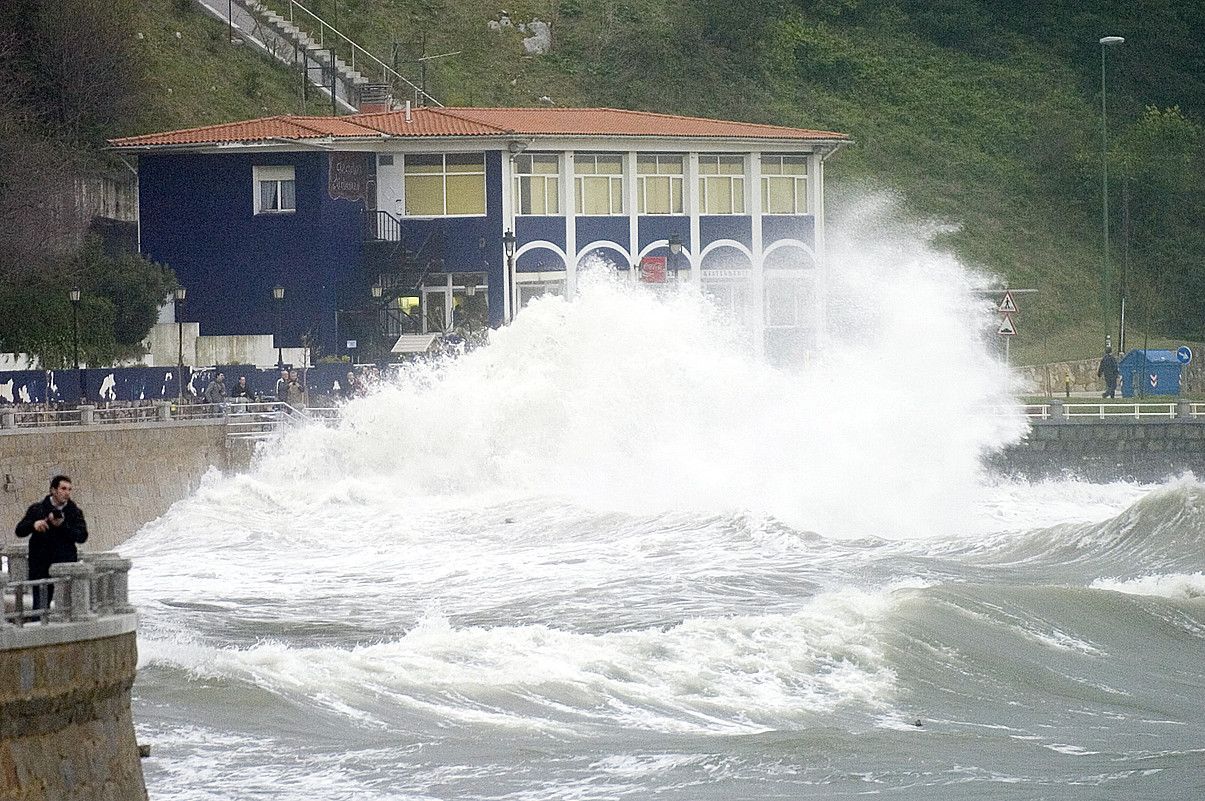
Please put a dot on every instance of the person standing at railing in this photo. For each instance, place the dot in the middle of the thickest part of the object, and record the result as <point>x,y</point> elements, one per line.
<point>54,525</point>
<point>240,396</point>
<point>1109,372</point>
<point>295,392</point>
<point>282,386</point>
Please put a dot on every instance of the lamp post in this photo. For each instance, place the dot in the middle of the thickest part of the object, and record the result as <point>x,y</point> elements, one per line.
<point>278,295</point>
<point>74,295</point>
<point>378,292</point>
<point>508,243</point>
<point>181,294</point>
<point>1105,43</point>
<point>675,251</point>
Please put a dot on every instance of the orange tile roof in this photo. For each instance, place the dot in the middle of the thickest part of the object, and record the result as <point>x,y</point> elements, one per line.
<point>440,122</point>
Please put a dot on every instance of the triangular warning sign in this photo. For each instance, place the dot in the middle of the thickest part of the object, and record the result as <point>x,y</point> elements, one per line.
<point>1007,329</point>
<point>1008,305</point>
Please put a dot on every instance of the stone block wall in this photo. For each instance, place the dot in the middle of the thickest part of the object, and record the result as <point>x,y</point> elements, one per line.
<point>1112,450</point>
<point>66,733</point>
<point>124,475</point>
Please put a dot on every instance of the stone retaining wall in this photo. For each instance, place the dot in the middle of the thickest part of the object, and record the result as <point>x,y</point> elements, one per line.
<point>66,732</point>
<point>124,475</point>
<point>1110,450</point>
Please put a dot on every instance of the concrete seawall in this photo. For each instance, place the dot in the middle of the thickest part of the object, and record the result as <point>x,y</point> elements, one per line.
<point>1113,450</point>
<point>125,475</point>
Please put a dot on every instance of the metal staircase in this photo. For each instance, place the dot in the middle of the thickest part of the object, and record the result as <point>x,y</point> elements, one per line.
<point>328,59</point>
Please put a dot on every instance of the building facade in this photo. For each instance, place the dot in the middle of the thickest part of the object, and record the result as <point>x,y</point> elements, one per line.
<point>435,219</point>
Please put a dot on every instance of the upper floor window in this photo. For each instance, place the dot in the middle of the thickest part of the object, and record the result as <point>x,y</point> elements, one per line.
<point>721,184</point>
<point>784,184</point>
<point>439,185</point>
<point>659,184</point>
<point>537,183</point>
<point>598,183</point>
<point>275,189</point>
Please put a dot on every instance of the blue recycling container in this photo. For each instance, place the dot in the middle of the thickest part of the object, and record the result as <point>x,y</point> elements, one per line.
<point>1150,372</point>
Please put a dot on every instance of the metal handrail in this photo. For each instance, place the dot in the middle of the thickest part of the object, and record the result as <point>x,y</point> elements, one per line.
<point>1135,410</point>
<point>1036,411</point>
<point>386,70</point>
<point>383,225</point>
<point>39,418</point>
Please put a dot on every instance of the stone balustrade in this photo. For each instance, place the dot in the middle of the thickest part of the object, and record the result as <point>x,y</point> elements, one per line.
<point>91,599</point>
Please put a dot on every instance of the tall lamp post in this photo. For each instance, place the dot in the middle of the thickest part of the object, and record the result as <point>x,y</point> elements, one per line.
<point>74,295</point>
<point>1105,43</point>
<point>508,243</point>
<point>378,292</point>
<point>675,252</point>
<point>181,294</point>
<point>278,295</point>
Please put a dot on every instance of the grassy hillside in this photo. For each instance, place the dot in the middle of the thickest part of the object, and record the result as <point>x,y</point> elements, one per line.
<point>981,117</point>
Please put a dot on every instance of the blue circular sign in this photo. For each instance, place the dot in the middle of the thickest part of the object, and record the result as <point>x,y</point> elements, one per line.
<point>1184,354</point>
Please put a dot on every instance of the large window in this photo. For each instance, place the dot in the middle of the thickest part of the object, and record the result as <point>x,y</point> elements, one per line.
<point>537,182</point>
<point>598,183</point>
<point>784,184</point>
<point>444,185</point>
<point>659,184</point>
<point>275,189</point>
<point>722,184</point>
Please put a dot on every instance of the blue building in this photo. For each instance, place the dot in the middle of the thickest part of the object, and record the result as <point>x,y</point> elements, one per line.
<point>429,219</point>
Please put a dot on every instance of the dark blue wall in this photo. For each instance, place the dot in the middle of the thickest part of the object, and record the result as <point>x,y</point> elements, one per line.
<point>197,216</point>
<point>658,227</point>
<point>781,226</point>
<point>713,227</point>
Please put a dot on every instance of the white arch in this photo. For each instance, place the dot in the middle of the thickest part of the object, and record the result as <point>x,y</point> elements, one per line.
<point>541,244</point>
<point>719,243</point>
<point>604,244</point>
<point>661,243</point>
<point>787,243</point>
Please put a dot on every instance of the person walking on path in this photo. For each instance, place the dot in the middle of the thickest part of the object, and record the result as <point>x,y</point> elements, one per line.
<point>55,526</point>
<point>1108,371</point>
<point>216,391</point>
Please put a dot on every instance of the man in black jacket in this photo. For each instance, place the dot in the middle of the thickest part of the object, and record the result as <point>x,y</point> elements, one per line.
<point>54,525</point>
<point>1108,371</point>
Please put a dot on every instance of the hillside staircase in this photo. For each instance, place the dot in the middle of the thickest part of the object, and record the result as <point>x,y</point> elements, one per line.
<point>327,59</point>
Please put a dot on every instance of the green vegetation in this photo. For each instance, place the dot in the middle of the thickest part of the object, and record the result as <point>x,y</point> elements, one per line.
<point>983,116</point>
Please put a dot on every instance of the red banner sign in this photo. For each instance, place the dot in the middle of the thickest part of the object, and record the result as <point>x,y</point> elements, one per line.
<point>652,269</point>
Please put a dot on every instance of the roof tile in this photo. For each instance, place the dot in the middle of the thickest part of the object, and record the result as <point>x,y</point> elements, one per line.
<point>438,122</point>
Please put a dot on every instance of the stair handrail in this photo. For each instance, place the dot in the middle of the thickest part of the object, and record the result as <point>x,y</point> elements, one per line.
<point>386,70</point>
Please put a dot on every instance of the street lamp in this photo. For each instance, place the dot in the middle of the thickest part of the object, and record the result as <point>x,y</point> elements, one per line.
<point>278,294</point>
<point>675,250</point>
<point>378,326</point>
<point>74,295</point>
<point>508,243</point>
<point>1105,43</point>
<point>181,294</point>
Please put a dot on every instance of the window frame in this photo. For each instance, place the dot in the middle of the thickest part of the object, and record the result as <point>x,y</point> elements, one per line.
<point>673,180</point>
<point>278,174</point>
<point>799,187</point>
<point>724,177</point>
<point>551,198</point>
<point>579,184</point>
<point>443,175</point>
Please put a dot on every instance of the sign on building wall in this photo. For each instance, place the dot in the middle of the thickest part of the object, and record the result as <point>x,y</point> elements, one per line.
<point>652,269</point>
<point>348,176</point>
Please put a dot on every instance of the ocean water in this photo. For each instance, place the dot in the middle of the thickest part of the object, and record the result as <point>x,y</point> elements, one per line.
<point>614,555</point>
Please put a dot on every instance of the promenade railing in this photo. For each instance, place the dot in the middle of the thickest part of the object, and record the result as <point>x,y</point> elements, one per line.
<point>95,587</point>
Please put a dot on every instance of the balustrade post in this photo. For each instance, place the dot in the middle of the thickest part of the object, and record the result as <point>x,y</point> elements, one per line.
<point>164,411</point>
<point>18,560</point>
<point>79,577</point>
<point>87,415</point>
<point>3,613</point>
<point>1057,412</point>
<point>1183,410</point>
<point>8,419</point>
<point>112,582</point>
